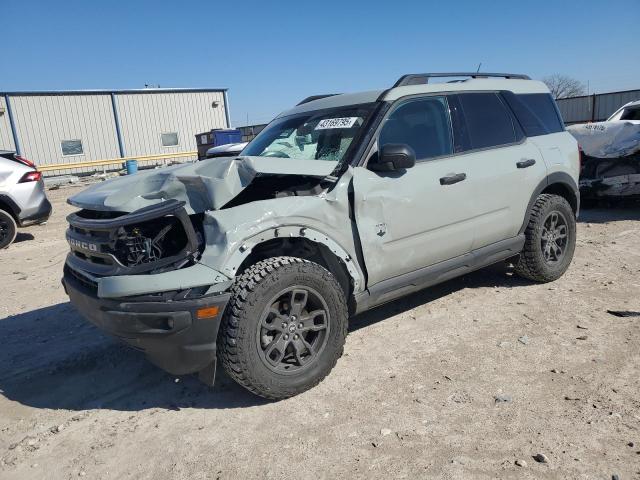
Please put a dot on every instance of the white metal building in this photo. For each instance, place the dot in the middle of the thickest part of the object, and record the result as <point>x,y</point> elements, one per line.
<point>70,127</point>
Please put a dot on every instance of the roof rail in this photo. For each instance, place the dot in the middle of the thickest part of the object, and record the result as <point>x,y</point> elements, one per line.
<point>420,78</point>
<point>316,97</point>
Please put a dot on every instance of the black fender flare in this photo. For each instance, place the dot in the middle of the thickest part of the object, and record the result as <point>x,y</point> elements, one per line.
<point>12,207</point>
<point>561,178</point>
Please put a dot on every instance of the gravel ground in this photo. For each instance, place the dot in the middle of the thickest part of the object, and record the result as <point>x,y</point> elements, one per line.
<point>470,379</point>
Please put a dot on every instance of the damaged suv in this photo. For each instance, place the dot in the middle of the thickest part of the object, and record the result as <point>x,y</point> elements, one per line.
<point>340,204</point>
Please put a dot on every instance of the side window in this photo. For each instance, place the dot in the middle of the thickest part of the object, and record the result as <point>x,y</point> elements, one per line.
<point>422,124</point>
<point>487,122</point>
<point>536,113</point>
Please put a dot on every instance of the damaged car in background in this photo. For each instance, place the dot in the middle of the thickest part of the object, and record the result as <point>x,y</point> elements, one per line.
<point>340,204</point>
<point>611,154</point>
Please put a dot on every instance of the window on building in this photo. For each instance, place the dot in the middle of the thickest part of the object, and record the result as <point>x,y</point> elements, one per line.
<point>169,139</point>
<point>487,120</point>
<point>71,147</point>
<point>423,125</point>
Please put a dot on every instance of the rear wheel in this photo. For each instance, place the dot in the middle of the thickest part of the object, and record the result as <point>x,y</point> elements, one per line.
<point>550,240</point>
<point>284,328</point>
<point>8,229</point>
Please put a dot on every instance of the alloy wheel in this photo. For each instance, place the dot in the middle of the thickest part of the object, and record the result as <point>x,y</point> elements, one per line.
<point>293,330</point>
<point>554,237</point>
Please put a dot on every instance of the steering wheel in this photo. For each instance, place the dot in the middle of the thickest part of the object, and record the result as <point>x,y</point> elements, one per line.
<point>275,153</point>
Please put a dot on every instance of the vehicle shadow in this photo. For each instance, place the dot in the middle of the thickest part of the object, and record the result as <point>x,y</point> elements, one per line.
<point>51,358</point>
<point>23,237</point>
<point>498,275</point>
<point>623,210</point>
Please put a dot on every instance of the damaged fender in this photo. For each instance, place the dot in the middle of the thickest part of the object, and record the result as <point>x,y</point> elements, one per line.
<point>232,233</point>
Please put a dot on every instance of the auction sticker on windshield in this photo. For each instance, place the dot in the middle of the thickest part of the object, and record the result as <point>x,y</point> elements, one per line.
<point>344,122</point>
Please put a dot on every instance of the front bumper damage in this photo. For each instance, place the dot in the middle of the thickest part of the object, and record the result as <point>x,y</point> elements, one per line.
<point>610,177</point>
<point>171,333</point>
<point>152,293</point>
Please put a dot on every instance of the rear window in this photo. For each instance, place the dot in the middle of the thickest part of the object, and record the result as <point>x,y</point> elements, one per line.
<point>487,121</point>
<point>536,112</point>
<point>631,114</point>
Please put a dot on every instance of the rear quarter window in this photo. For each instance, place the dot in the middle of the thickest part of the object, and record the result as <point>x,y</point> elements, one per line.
<point>536,112</point>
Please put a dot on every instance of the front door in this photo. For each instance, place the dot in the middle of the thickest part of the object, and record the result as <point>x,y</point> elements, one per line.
<point>411,219</point>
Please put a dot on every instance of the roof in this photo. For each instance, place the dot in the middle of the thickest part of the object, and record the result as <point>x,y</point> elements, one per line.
<point>35,93</point>
<point>515,85</point>
<point>333,101</point>
<point>473,84</point>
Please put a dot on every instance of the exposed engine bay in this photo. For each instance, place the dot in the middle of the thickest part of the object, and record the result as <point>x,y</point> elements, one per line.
<point>149,241</point>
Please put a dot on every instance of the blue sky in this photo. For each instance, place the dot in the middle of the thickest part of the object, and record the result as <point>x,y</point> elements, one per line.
<point>272,54</point>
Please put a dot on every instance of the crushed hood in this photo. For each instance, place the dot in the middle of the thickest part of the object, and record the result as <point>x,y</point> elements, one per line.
<point>205,185</point>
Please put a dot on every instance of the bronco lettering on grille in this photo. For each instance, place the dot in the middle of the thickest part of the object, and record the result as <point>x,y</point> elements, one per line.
<point>92,247</point>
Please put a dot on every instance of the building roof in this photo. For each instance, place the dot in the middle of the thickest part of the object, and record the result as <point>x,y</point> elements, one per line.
<point>36,93</point>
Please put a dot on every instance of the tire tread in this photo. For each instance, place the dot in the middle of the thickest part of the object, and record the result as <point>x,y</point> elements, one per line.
<point>529,263</point>
<point>234,363</point>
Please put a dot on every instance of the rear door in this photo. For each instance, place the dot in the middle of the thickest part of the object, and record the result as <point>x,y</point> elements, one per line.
<point>543,126</point>
<point>504,166</point>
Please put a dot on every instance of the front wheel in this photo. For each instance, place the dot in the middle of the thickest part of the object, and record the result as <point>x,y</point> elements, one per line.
<point>284,328</point>
<point>550,240</point>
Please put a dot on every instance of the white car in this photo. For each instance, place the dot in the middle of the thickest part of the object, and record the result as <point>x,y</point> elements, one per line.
<point>629,112</point>
<point>228,150</point>
<point>22,197</point>
<point>611,162</point>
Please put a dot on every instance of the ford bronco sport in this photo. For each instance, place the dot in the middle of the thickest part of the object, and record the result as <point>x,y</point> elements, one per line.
<point>340,204</point>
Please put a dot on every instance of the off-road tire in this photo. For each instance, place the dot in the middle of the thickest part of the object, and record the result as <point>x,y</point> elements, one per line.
<point>531,263</point>
<point>252,290</point>
<point>9,229</point>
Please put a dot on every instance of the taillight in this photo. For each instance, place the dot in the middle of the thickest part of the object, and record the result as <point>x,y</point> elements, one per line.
<point>580,155</point>
<point>31,177</point>
<point>25,161</point>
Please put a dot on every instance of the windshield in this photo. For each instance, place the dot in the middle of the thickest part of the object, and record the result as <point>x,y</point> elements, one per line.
<point>318,135</point>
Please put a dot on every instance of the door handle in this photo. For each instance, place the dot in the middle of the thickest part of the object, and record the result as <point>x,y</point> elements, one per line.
<point>526,163</point>
<point>451,179</point>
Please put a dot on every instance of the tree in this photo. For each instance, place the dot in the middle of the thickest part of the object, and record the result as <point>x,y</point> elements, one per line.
<point>562,86</point>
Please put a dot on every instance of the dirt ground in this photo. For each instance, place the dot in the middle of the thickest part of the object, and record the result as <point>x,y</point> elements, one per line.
<point>459,381</point>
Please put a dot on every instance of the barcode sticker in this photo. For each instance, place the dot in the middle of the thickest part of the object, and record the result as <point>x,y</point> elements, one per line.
<point>344,122</point>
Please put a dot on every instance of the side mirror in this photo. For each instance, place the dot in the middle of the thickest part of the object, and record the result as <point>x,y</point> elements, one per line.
<point>394,156</point>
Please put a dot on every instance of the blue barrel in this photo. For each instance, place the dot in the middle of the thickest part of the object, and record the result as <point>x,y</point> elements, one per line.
<point>132,166</point>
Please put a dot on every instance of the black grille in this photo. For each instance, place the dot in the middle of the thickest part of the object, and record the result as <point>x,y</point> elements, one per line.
<point>148,240</point>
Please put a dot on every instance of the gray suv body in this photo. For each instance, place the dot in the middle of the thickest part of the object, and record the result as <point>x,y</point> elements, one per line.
<point>23,200</point>
<point>340,204</point>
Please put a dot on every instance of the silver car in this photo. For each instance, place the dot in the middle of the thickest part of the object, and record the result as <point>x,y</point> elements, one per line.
<point>23,200</point>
